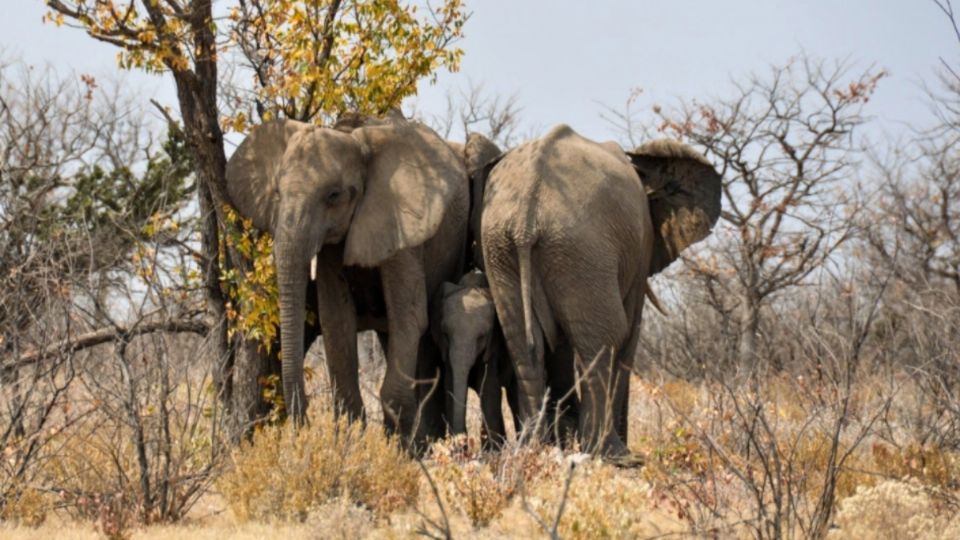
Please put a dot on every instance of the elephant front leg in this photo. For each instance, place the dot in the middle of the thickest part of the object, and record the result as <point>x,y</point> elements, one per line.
<point>405,295</point>
<point>338,320</point>
<point>431,395</point>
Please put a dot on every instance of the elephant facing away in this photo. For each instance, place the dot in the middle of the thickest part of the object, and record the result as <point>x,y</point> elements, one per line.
<point>571,230</point>
<point>382,210</point>
<point>474,356</point>
<point>480,154</point>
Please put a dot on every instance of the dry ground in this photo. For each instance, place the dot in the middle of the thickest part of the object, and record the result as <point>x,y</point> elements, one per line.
<point>699,479</point>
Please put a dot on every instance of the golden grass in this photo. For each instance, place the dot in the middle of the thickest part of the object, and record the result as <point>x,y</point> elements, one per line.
<point>336,480</point>
<point>285,472</point>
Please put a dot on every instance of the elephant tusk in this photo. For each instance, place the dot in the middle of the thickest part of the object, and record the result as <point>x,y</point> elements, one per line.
<point>313,268</point>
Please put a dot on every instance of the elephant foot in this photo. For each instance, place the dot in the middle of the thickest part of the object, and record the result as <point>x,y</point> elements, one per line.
<point>492,442</point>
<point>409,431</point>
<point>352,412</point>
<point>630,460</point>
<point>564,433</point>
<point>615,452</point>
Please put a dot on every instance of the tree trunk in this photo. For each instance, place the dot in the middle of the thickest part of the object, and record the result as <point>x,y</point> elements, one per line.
<point>239,366</point>
<point>254,369</point>
<point>223,357</point>
<point>749,327</point>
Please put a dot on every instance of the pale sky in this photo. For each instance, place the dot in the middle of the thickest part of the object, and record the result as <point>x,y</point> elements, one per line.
<point>563,58</point>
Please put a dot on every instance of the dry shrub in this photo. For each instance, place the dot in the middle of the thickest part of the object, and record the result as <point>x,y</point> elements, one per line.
<point>931,466</point>
<point>808,460</point>
<point>520,466</point>
<point>468,484</point>
<point>96,478</point>
<point>473,489</point>
<point>678,450</point>
<point>602,502</point>
<point>894,510</point>
<point>682,395</point>
<point>481,485</point>
<point>25,506</point>
<point>286,472</point>
<point>144,463</point>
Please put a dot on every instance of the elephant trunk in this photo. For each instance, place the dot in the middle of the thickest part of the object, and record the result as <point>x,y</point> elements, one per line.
<point>292,273</point>
<point>461,360</point>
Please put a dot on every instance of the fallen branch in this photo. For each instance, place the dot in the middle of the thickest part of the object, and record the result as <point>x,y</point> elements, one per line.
<point>106,335</point>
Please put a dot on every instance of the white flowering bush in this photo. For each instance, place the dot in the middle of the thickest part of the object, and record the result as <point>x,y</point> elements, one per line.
<point>893,510</point>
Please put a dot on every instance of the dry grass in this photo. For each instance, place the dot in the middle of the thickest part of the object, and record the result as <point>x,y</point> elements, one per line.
<point>326,460</point>
<point>337,480</point>
<point>896,509</point>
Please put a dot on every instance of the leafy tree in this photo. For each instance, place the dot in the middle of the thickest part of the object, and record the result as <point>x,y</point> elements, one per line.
<point>62,186</point>
<point>314,60</point>
<point>310,60</point>
<point>83,199</point>
<point>117,202</point>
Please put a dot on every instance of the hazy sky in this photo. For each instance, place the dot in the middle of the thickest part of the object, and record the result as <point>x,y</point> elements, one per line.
<point>563,58</point>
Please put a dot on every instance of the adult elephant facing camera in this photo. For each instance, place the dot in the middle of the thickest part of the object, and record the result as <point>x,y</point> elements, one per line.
<point>384,210</point>
<point>571,230</point>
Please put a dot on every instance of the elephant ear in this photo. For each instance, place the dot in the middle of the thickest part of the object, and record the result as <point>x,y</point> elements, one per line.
<point>412,179</point>
<point>684,192</point>
<point>252,170</point>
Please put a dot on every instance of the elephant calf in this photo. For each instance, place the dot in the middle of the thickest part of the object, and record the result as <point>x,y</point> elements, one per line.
<point>474,355</point>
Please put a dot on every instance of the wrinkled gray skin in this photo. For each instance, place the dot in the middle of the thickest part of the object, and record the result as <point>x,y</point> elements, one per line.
<point>571,230</point>
<point>474,356</point>
<point>382,206</point>
<point>479,155</point>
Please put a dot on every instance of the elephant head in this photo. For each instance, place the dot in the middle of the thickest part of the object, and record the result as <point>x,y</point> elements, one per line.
<point>684,192</point>
<point>376,189</point>
<point>478,153</point>
<point>467,324</point>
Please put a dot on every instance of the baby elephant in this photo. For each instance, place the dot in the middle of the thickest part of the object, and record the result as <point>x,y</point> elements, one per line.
<point>474,355</point>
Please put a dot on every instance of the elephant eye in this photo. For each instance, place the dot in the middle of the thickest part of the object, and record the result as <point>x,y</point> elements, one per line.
<point>333,198</point>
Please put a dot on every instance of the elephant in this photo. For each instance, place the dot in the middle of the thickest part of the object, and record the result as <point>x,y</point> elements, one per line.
<point>479,155</point>
<point>377,214</point>
<point>474,356</point>
<point>478,152</point>
<point>571,230</point>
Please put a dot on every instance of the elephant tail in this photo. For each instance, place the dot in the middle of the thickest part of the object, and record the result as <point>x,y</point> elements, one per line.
<point>524,257</point>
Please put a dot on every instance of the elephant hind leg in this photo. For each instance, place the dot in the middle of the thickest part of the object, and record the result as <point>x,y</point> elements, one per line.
<point>626,359</point>
<point>527,364</point>
<point>596,324</point>
<point>564,406</point>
